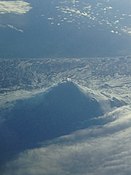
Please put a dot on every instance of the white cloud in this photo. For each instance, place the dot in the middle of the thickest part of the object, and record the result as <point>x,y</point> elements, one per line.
<point>107,13</point>
<point>127,30</point>
<point>15,28</point>
<point>96,151</point>
<point>15,7</point>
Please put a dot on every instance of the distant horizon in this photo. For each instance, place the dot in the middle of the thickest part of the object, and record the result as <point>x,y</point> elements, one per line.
<point>42,58</point>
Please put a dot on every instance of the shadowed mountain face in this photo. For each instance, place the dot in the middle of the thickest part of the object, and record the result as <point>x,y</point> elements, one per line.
<point>61,111</point>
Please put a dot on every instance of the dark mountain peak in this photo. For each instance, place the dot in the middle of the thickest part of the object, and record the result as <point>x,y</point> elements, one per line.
<point>65,86</point>
<point>66,91</point>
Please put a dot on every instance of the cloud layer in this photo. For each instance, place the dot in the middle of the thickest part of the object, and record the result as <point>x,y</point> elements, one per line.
<point>15,7</point>
<point>96,151</point>
<point>101,150</point>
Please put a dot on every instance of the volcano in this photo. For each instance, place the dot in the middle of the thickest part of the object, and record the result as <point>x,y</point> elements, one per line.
<point>60,111</point>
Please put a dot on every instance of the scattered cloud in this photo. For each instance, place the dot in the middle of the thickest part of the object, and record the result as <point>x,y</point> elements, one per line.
<point>114,16</point>
<point>127,30</point>
<point>15,7</point>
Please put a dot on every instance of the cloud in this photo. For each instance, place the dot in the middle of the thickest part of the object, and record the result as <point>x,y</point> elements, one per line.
<point>15,7</point>
<point>127,30</point>
<point>115,16</point>
<point>15,28</point>
<point>96,151</point>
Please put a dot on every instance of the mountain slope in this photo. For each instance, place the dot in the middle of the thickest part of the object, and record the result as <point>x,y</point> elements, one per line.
<point>61,111</point>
